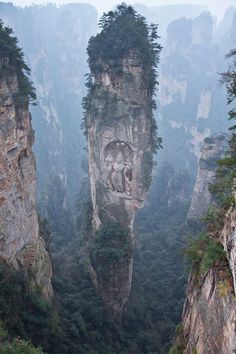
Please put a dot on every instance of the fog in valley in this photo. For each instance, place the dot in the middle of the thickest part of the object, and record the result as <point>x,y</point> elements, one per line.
<point>125,173</point>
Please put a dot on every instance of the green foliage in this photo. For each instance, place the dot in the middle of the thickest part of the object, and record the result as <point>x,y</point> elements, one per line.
<point>226,172</point>
<point>111,244</point>
<point>3,332</point>
<point>203,252</point>
<point>124,30</point>
<point>214,219</point>
<point>12,60</point>
<point>26,314</point>
<point>179,344</point>
<point>19,346</point>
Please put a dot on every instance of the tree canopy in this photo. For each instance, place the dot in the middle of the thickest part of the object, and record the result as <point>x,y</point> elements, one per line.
<point>9,49</point>
<point>124,30</point>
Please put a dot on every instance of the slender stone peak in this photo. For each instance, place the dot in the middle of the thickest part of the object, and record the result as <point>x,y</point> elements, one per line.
<point>121,135</point>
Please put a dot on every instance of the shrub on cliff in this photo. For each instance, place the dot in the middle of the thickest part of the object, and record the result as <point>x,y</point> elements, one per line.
<point>12,60</point>
<point>203,252</point>
<point>124,30</point>
<point>19,346</point>
<point>25,314</point>
<point>111,244</point>
<point>225,180</point>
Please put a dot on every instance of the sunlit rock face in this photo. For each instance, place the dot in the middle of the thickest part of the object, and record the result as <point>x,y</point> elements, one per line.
<point>120,164</point>
<point>212,149</point>
<point>20,243</point>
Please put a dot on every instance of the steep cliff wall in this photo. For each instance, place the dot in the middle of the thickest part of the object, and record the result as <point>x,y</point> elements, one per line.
<point>209,315</point>
<point>212,150</point>
<point>20,243</point>
<point>121,138</point>
<point>54,41</point>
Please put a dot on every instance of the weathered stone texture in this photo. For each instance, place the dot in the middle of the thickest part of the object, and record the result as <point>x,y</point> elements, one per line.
<point>119,145</point>
<point>209,316</point>
<point>20,244</point>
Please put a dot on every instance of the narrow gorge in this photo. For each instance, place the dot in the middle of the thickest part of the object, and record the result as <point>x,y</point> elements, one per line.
<point>117,237</point>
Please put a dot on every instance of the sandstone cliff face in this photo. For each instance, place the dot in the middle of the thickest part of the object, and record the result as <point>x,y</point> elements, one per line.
<point>20,244</point>
<point>211,151</point>
<point>58,65</point>
<point>120,162</point>
<point>209,315</point>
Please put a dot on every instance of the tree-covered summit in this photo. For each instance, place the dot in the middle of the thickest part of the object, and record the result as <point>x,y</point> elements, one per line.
<point>122,31</point>
<point>12,59</point>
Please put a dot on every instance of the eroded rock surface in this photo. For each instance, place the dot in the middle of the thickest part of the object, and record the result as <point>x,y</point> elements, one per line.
<point>209,316</point>
<point>212,150</point>
<point>120,162</point>
<point>20,243</point>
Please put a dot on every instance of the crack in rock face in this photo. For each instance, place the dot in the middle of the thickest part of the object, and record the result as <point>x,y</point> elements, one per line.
<point>122,137</point>
<point>120,165</point>
<point>20,243</point>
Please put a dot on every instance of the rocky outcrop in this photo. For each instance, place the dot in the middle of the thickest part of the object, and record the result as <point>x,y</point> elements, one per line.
<point>209,315</point>
<point>212,150</point>
<point>228,239</point>
<point>20,243</point>
<point>58,65</point>
<point>120,162</point>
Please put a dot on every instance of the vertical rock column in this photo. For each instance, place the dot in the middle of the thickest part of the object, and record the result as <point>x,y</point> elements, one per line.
<point>119,123</point>
<point>20,243</point>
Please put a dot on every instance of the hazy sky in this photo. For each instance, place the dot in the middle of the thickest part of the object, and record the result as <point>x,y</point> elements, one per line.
<point>218,7</point>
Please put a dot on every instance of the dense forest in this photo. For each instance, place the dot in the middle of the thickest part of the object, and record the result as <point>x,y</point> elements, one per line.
<point>166,248</point>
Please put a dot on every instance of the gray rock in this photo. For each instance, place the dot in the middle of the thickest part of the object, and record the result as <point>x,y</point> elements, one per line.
<point>20,243</point>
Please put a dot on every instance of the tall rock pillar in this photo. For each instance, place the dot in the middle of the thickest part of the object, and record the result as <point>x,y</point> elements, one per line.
<point>121,133</point>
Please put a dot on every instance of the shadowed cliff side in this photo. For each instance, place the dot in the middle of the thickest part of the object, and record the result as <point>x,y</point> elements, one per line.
<point>20,243</point>
<point>208,322</point>
<point>122,138</point>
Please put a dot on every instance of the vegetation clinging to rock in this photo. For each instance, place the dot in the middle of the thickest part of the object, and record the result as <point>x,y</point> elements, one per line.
<point>224,183</point>
<point>12,60</point>
<point>122,31</point>
<point>204,252</point>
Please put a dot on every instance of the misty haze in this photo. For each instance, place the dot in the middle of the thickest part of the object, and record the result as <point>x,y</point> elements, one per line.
<point>117,177</point>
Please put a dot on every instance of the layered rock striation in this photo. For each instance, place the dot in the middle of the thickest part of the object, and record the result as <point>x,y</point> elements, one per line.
<point>119,148</point>
<point>20,243</point>
<point>209,315</point>
<point>120,129</point>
